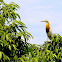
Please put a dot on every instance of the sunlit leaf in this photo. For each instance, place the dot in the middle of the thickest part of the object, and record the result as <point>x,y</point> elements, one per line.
<point>34,60</point>
<point>21,59</point>
<point>0,55</point>
<point>9,47</point>
<point>14,46</point>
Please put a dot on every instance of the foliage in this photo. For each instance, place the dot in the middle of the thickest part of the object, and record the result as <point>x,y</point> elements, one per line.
<point>12,46</point>
<point>50,51</point>
<point>14,37</point>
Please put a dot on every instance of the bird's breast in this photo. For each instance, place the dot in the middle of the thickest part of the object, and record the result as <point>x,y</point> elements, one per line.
<point>47,27</point>
<point>47,30</point>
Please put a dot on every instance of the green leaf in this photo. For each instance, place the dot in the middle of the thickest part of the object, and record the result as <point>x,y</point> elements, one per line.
<point>54,55</point>
<point>1,0</point>
<point>15,57</point>
<point>9,47</point>
<point>34,60</point>
<point>5,56</point>
<point>14,46</point>
<point>0,55</point>
<point>18,16</point>
<point>1,27</point>
<point>25,58</point>
<point>21,59</point>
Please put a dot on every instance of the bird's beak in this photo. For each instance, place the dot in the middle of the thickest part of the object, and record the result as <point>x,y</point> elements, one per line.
<point>42,21</point>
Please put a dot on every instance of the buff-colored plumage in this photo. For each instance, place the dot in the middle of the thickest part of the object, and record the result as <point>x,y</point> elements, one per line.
<point>48,29</point>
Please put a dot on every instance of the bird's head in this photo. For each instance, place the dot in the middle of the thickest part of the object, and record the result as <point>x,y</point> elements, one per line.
<point>45,21</point>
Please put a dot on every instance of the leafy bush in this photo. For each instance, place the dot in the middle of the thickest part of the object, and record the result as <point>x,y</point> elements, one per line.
<point>50,51</point>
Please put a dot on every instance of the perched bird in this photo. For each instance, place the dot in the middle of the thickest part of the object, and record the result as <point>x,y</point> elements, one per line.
<point>48,30</point>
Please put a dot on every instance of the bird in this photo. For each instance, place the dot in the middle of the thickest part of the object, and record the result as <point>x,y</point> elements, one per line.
<point>48,30</point>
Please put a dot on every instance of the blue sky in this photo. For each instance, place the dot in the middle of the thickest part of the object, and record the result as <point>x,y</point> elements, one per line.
<point>33,11</point>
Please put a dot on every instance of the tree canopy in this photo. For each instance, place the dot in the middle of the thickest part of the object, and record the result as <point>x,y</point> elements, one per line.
<point>11,32</point>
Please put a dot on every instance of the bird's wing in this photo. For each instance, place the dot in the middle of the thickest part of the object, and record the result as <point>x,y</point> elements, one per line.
<point>49,34</point>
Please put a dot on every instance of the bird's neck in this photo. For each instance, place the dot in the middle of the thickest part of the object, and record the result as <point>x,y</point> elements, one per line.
<point>47,25</point>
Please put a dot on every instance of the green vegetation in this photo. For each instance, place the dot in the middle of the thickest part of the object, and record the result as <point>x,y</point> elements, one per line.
<point>15,49</point>
<point>12,46</point>
<point>48,52</point>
